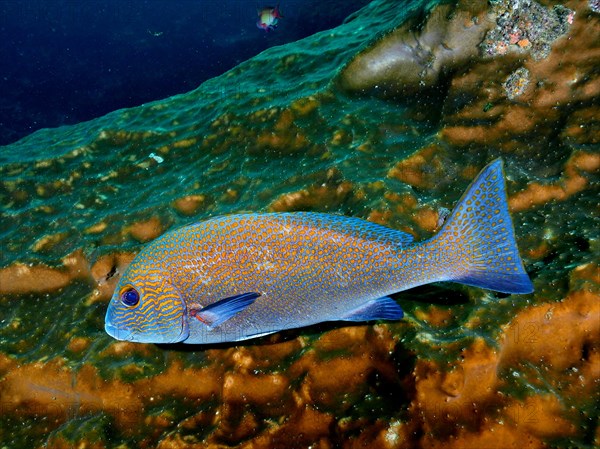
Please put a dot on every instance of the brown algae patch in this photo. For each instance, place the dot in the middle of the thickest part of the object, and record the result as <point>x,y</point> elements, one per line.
<point>106,272</point>
<point>190,204</point>
<point>144,231</point>
<point>51,388</point>
<point>305,106</point>
<point>463,403</point>
<point>48,241</point>
<point>79,344</point>
<point>559,336</point>
<point>22,278</point>
<point>285,137</point>
<point>422,169</point>
<point>427,219</point>
<point>329,194</point>
<point>436,316</point>
<point>573,181</point>
<point>313,198</point>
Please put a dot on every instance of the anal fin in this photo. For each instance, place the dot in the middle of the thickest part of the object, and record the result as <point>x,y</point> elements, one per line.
<point>217,313</point>
<point>384,308</point>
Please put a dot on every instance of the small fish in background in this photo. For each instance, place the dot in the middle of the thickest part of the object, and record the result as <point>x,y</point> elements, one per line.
<point>268,18</point>
<point>237,277</point>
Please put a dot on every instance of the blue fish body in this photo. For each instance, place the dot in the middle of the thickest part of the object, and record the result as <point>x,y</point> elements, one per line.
<point>237,277</point>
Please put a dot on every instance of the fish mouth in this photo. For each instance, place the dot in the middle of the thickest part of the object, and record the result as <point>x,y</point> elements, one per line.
<point>115,332</point>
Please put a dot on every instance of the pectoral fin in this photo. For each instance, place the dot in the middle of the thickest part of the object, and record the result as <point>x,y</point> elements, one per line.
<point>384,308</point>
<point>217,313</point>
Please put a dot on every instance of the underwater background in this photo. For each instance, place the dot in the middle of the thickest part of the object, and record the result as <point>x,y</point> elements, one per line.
<point>67,61</point>
<point>383,110</point>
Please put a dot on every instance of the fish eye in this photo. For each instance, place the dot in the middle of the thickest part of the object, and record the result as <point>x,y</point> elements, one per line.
<point>130,297</point>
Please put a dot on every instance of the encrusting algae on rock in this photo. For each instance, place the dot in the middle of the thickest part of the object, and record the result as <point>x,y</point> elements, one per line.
<point>516,83</point>
<point>467,368</point>
<point>526,26</point>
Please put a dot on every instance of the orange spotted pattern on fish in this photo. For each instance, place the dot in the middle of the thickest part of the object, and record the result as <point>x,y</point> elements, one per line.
<point>236,277</point>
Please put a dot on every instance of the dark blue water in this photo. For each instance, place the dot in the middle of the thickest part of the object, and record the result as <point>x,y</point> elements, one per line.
<point>67,61</point>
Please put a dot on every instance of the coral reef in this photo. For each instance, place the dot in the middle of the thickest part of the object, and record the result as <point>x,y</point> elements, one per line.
<point>344,122</point>
<point>516,83</point>
<point>526,25</point>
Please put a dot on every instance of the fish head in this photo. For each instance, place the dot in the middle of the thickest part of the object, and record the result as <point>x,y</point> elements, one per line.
<point>146,309</point>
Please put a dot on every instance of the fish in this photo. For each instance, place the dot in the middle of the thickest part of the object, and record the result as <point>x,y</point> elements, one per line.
<point>268,18</point>
<point>236,277</point>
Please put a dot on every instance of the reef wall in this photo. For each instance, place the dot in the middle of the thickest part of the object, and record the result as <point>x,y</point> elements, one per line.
<point>387,117</point>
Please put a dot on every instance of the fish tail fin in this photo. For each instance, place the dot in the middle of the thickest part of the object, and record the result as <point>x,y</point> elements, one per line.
<point>481,237</point>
